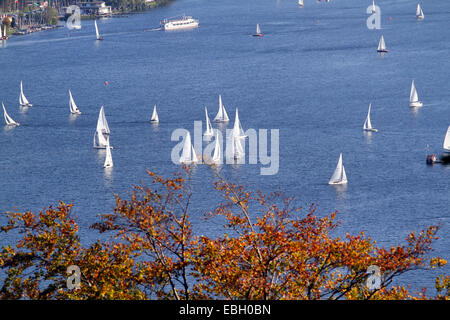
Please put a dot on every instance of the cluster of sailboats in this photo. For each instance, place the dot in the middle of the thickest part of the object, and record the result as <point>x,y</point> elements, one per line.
<point>188,155</point>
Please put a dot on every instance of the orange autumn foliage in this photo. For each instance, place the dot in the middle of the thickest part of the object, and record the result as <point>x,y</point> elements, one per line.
<point>270,249</point>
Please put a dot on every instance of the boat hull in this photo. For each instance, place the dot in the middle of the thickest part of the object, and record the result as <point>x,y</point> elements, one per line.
<point>416,104</point>
<point>371,130</point>
<point>382,51</point>
<point>258,35</point>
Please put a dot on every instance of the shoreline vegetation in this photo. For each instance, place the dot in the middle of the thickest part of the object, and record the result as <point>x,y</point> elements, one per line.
<point>28,19</point>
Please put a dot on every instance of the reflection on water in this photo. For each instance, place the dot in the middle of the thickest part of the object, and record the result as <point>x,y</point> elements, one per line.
<point>108,176</point>
<point>155,126</point>
<point>368,136</point>
<point>341,191</point>
<point>23,109</point>
<point>7,128</point>
<point>73,117</point>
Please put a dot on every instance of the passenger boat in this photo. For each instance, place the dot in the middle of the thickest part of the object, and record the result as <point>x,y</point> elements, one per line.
<point>185,22</point>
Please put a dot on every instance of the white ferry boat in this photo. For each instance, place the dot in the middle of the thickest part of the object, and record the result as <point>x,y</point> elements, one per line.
<point>185,22</point>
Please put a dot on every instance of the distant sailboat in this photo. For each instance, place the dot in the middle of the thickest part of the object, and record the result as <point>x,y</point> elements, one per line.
<point>446,144</point>
<point>374,10</point>
<point>209,130</point>
<point>9,121</point>
<point>382,45</point>
<point>300,3</point>
<point>217,155</point>
<point>368,124</point>
<point>155,118</point>
<point>96,31</point>
<point>238,131</point>
<point>222,115</point>
<point>22,99</point>
<point>101,136</point>
<point>72,106</point>
<point>108,159</point>
<point>419,12</point>
<point>339,176</point>
<point>258,31</point>
<point>188,155</point>
<point>414,97</point>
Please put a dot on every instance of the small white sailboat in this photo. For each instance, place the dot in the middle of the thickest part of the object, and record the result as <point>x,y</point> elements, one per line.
<point>238,131</point>
<point>446,144</point>
<point>72,106</point>
<point>154,118</point>
<point>188,155</point>
<point>222,115</point>
<point>237,144</point>
<point>96,31</point>
<point>382,45</point>
<point>9,121</point>
<point>419,12</point>
<point>414,97</point>
<point>101,136</point>
<point>22,99</point>
<point>374,9</point>
<point>368,124</point>
<point>217,155</point>
<point>300,3</point>
<point>108,159</point>
<point>258,31</point>
<point>209,130</point>
<point>339,176</point>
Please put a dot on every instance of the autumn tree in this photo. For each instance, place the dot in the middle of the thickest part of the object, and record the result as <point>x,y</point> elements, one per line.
<point>269,249</point>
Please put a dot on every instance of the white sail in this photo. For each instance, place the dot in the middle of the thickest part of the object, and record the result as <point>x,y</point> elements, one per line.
<point>446,145</point>
<point>419,12</point>
<point>374,10</point>
<point>108,159</point>
<point>368,124</point>
<point>217,155</point>
<point>300,3</point>
<point>414,97</point>
<point>9,121</point>
<point>238,131</point>
<point>72,106</point>
<point>258,29</point>
<point>382,44</point>
<point>22,99</point>
<point>339,176</point>
<point>188,154</point>
<point>101,136</point>
<point>96,30</point>
<point>155,118</point>
<point>222,115</point>
<point>209,129</point>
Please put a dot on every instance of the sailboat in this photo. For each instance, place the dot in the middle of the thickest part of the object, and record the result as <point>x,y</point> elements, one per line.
<point>367,124</point>
<point>258,31</point>
<point>300,3</point>
<point>217,155</point>
<point>3,35</point>
<point>22,99</point>
<point>374,10</point>
<point>72,106</point>
<point>101,136</point>
<point>108,159</point>
<point>9,121</point>
<point>188,154</point>
<point>382,45</point>
<point>339,176</point>
<point>155,118</point>
<point>446,144</point>
<point>96,31</point>
<point>414,97</point>
<point>238,131</point>
<point>209,130</point>
<point>419,12</point>
<point>222,115</point>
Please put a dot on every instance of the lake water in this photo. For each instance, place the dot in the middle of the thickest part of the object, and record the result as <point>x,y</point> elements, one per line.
<point>312,76</point>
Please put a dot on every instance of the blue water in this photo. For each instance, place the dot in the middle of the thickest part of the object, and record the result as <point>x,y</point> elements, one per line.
<point>312,76</point>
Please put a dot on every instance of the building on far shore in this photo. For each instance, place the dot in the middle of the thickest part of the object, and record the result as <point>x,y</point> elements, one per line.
<point>97,8</point>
